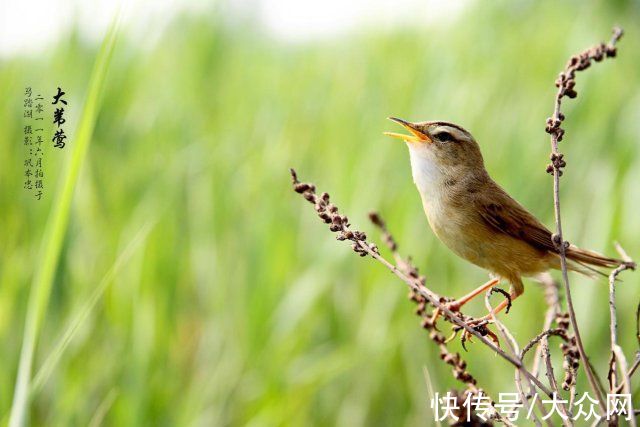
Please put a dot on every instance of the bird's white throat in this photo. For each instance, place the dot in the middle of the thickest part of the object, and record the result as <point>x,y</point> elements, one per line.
<point>427,175</point>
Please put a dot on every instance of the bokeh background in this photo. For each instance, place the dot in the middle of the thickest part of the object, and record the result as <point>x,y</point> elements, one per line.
<point>194,287</point>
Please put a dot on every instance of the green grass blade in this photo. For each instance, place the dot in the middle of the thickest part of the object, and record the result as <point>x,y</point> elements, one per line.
<point>54,356</point>
<point>103,409</point>
<point>55,231</point>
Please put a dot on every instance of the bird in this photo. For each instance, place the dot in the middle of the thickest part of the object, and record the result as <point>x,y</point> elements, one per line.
<point>477,219</point>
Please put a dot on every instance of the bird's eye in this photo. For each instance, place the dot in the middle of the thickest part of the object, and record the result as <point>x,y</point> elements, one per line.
<point>444,137</point>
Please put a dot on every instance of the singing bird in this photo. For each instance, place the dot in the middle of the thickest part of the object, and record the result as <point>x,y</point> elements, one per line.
<point>472,215</point>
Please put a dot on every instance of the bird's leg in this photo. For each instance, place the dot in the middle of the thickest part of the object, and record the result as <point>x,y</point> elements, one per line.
<point>456,305</point>
<point>480,324</point>
<point>515,293</point>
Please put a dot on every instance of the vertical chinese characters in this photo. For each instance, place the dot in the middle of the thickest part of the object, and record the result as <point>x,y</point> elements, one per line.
<point>32,140</point>
<point>58,119</point>
<point>28,138</point>
<point>38,173</point>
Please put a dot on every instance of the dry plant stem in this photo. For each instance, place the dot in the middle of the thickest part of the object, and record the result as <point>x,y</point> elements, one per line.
<point>568,415</point>
<point>634,367</point>
<point>543,353</point>
<point>424,292</point>
<point>626,381</point>
<point>556,332</point>
<point>448,357</point>
<point>552,315</point>
<point>544,343</point>
<point>542,340</point>
<point>638,323</point>
<point>525,399</point>
<point>566,84</point>
<point>390,241</point>
<point>513,345</point>
<point>617,356</point>
<point>565,280</point>
<point>454,359</point>
<point>552,299</point>
<point>569,351</point>
<point>340,224</point>
<point>546,355</point>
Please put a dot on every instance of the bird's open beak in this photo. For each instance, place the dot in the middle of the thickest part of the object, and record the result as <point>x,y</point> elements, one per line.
<point>417,136</point>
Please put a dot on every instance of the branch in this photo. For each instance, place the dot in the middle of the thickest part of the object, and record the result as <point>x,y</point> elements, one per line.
<point>453,359</point>
<point>405,265</point>
<point>542,353</point>
<point>513,344</point>
<point>566,87</point>
<point>613,322</point>
<point>626,381</point>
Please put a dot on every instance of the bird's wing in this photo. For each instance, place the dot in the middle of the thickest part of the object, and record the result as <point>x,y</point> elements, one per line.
<point>506,215</point>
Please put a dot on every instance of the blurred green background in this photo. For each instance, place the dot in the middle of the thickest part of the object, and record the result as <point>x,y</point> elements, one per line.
<point>234,305</point>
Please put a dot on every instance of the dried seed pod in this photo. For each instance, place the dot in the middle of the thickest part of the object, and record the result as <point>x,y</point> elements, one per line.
<point>301,187</point>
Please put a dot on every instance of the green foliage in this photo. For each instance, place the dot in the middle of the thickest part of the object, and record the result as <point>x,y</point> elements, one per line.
<point>239,307</point>
<point>54,235</point>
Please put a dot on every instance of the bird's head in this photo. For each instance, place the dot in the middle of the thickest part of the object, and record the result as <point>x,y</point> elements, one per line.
<point>441,153</point>
<point>444,144</point>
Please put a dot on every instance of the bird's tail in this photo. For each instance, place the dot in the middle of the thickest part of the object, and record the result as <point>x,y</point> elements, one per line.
<point>585,261</point>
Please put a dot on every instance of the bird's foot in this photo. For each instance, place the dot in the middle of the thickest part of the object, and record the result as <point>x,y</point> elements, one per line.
<point>479,325</point>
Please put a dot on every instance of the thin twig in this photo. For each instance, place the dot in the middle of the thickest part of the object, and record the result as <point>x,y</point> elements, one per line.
<point>513,345</point>
<point>566,85</point>
<point>626,381</point>
<point>634,367</point>
<point>638,323</point>
<point>535,340</point>
<point>553,301</point>
<point>552,298</point>
<point>629,265</point>
<point>631,371</point>
<point>426,293</point>
<point>453,359</point>
<point>613,321</point>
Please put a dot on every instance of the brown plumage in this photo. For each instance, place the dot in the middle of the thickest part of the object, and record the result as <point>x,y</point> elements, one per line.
<point>475,217</point>
<point>517,222</point>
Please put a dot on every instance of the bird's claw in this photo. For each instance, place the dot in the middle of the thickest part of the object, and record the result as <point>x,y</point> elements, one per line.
<point>479,325</point>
